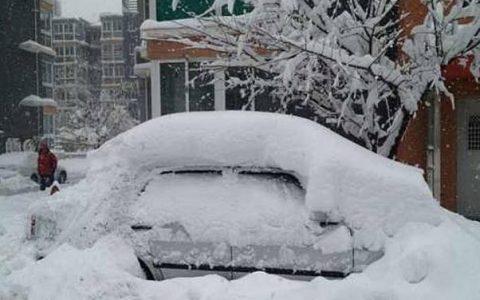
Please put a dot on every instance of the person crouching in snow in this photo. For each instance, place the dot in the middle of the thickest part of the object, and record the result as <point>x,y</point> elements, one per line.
<point>47,164</point>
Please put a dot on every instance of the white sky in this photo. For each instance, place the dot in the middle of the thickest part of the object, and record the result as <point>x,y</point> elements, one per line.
<point>90,10</point>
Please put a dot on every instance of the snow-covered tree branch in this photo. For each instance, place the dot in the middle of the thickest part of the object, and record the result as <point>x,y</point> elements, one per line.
<point>92,122</point>
<point>339,59</point>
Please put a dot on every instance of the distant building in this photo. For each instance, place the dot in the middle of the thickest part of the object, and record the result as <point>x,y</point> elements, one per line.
<point>141,68</point>
<point>119,39</point>
<point>26,68</point>
<point>57,10</point>
<point>71,64</point>
<point>94,33</point>
<point>112,54</point>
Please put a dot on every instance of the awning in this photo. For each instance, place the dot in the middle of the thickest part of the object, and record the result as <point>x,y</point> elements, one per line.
<point>34,47</point>
<point>35,101</point>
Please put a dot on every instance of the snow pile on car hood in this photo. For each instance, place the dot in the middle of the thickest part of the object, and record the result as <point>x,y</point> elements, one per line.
<point>421,262</point>
<point>373,195</point>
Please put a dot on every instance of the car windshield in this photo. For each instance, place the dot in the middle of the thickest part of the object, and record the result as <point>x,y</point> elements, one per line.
<point>238,206</point>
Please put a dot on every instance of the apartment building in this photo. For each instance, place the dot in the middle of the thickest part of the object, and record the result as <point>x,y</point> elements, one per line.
<point>112,54</point>
<point>71,65</point>
<point>26,69</point>
<point>120,35</point>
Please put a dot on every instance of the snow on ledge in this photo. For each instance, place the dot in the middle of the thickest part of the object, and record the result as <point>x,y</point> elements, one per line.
<point>151,29</point>
<point>34,47</point>
<point>373,195</point>
<point>35,101</point>
<point>185,27</point>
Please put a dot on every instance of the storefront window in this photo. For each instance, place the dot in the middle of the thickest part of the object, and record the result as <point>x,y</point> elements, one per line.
<point>239,97</point>
<point>201,92</point>
<point>172,87</point>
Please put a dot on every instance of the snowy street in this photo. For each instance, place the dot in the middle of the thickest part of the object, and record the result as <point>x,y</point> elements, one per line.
<point>13,217</point>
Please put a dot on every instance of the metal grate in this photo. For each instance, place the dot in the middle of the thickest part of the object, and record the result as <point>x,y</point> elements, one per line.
<point>474,132</point>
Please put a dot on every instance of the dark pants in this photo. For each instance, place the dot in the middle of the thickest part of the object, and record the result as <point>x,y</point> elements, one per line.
<point>46,181</point>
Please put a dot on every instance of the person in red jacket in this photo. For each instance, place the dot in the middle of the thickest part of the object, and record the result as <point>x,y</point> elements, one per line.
<point>47,164</point>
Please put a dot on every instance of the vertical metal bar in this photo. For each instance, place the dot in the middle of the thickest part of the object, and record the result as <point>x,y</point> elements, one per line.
<point>37,64</point>
<point>437,192</point>
<point>187,88</point>
<point>434,145</point>
<point>231,263</point>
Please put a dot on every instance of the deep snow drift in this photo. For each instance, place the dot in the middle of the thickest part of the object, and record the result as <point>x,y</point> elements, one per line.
<point>421,262</point>
<point>429,253</point>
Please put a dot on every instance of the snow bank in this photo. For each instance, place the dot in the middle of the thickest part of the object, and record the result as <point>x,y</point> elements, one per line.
<point>14,168</point>
<point>373,195</point>
<point>421,262</point>
<point>17,160</point>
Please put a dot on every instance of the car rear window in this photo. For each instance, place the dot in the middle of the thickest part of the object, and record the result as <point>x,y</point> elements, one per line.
<point>233,205</point>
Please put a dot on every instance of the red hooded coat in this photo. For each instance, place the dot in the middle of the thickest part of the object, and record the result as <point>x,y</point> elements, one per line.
<point>47,162</point>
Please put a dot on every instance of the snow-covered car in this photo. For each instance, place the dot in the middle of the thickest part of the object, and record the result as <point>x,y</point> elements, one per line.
<point>236,192</point>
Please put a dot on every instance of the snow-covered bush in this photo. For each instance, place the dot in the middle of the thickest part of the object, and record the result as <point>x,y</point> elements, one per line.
<point>89,126</point>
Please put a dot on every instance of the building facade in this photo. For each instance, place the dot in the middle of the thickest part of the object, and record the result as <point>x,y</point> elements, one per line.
<point>112,54</point>
<point>120,35</point>
<point>443,138</point>
<point>172,64</point>
<point>77,69</point>
<point>71,65</point>
<point>26,69</point>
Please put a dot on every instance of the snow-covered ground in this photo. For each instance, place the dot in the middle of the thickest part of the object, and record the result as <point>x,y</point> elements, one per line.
<point>430,253</point>
<point>421,262</point>
<point>16,168</point>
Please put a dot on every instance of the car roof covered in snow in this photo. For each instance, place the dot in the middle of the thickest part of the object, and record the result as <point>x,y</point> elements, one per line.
<point>342,180</point>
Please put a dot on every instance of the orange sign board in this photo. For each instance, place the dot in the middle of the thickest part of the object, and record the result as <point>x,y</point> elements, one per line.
<point>49,110</point>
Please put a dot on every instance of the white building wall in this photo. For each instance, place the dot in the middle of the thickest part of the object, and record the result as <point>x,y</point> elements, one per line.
<point>155,86</point>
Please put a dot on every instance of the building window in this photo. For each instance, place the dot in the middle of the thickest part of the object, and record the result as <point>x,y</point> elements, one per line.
<point>69,51</point>
<point>70,71</point>
<point>245,96</point>
<point>47,40</point>
<point>59,72</point>
<point>172,87</point>
<point>118,51</point>
<point>68,28</point>
<point>201,91</point>
<point>57,28</point>
<point>106,26</point>
<point>474,132</point>
<point>178,94</point>
<point>237,97</point>
<point>107,71</point>
<point>47,72</point>
<point>117,25</point>
<point>119,71</point>
<point>46,19</point>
